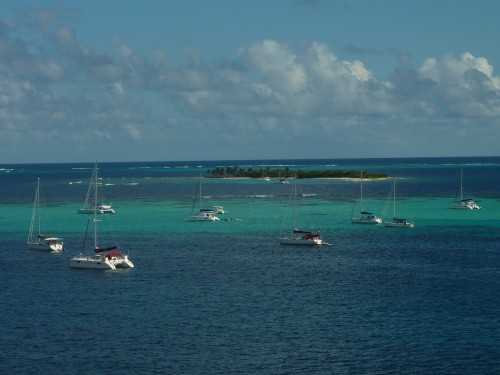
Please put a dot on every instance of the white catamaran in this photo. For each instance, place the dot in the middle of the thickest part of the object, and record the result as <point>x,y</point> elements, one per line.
<point>106,258</point>
<point>39,241</point>
<point>92,205</point>
<point>464,203</point>
<point>204,214</point>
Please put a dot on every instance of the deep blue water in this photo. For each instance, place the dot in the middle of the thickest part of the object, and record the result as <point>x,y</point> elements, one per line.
<point>225,298</point>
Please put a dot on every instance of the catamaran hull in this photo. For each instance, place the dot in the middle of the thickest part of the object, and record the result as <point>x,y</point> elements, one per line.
<point>466,207</point>
<point>122,262</point>
<point>91,263</point>
<point>203,217</point>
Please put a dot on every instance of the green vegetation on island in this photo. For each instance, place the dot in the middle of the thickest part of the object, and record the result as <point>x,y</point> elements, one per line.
<point>232,172</point>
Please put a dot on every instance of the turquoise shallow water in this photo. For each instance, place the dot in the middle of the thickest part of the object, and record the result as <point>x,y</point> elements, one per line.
<point>224,297</point>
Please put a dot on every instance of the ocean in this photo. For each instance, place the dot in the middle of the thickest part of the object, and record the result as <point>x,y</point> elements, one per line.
<point>225,298</point>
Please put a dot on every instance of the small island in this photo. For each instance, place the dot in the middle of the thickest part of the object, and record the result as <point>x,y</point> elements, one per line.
<point>231,172</point>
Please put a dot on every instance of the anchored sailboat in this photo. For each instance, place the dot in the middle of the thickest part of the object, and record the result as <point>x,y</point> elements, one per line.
<point>464,203</point>
<point>92,205</point>
<point>298,236</point>
<point>365,217</point>
<point>39,241</point>
<point>397,222</point>
<point>204,214</point>
<point>106,258</point>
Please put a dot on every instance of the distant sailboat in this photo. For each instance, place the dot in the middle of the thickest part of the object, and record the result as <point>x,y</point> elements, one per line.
<point>37,240</point>
<point>92,205</point>
<point>397,222</point>
<point>464,203</point>
<point>365,217</point>
<point>204,214</point>
<point>298,236</point>
<point>104,258</point>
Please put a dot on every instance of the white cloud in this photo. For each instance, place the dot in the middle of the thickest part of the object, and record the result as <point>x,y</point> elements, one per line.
<point>451,69</point>
<point>51,70</point>
<point>463,85</point>
<point>132,131</point>
<point>277,64</point>
<point>266,93</point>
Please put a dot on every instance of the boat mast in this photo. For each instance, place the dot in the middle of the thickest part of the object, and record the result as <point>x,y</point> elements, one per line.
<point>361,191</point>
<point>294,201</point>
<point>37,195</point>
<point>199,190</point>
<point>95,206</point>
<point>461,183</point>
<point>394,201</point>
<point>33,215</point>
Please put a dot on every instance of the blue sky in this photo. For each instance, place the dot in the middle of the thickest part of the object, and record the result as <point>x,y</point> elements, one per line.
<point>123,80</point>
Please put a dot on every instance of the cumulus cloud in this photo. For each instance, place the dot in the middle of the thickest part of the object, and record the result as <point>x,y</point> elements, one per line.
<point>267,90</point>
<point>462,85</point>
<point>132,131</point>
<point>277,64</point>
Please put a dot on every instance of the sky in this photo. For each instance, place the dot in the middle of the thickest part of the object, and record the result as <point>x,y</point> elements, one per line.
<point>180,80</point>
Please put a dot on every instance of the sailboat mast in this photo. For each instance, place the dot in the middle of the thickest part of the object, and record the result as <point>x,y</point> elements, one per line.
<point>461,183</point>
<point>199,189</point>
<point>361,190</point>
<point>38,203</point>
<point>95,206</point>
<point>34,213</point>
<point>394,201</point>
<point>294,201</point>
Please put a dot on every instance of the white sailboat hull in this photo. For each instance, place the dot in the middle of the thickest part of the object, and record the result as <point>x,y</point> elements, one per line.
<point>102,262</point>
<point>466,206</point>
<point>52,245</point>
<point>121,262</point>
<point>203,216</point>
<point>366,220</point>
<point>301,241</point>
<point>399,224</point>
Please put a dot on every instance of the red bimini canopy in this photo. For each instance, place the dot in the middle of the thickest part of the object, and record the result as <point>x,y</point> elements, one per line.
<point>105,249</point>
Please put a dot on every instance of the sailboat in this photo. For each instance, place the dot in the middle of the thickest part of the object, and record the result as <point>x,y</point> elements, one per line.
<point>92,205</point>
<point>464,203</point>
<point>365,217</point>
<point>204,214</point>
<point>38,241</point>
<point>298,236</point>
<point>397,222</point>
<point>106,258</point>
